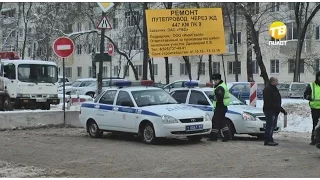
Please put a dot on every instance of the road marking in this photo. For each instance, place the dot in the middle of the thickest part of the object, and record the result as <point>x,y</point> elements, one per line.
<point>63,47</point>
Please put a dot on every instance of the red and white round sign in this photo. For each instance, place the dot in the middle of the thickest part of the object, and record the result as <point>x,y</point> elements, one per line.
<point>110,49</point>
<point>63,47</point>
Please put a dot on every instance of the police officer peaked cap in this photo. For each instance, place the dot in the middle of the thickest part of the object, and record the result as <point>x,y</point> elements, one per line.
<point>216,76</point>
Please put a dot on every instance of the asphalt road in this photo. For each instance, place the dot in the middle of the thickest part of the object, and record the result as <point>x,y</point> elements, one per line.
<point>69,152</point>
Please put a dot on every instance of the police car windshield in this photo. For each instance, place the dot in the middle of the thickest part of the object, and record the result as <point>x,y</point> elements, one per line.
<point>152,97</point>
<point>233,99</point>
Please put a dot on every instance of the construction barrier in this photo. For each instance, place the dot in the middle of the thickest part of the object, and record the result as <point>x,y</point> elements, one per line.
<point>253,94</point>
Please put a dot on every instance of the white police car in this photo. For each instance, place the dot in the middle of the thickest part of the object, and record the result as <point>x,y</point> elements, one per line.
<point>147,111</point>
<point>242,119</point>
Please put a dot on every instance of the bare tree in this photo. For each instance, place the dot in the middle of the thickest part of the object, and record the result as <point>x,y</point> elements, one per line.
<point>167,5</point>
<point>26,11</point>
<point>302,9</point>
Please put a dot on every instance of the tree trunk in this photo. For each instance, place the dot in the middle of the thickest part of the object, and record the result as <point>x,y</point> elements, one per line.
<point>199,68</point>
<point>188,66</point>
<point>166,59</point>
<point>235,42</point>
<point>24,39</point>
<point>94,66</point>
<point>145,44</point>
<point>249,48</point>
<point>151,70</point>
<point>126,69</point>
<point>210,67</point>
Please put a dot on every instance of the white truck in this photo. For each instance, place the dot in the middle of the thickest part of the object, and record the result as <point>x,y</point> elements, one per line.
<point>29,84</point>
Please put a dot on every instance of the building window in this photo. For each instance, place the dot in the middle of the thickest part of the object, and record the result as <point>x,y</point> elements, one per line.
<point>292,31</point>
<point>183,69</point>
<point>274,6</point>
<point>129,17</point>
<point>105,71</point>
<point>255,67</point>
<point>170,69</point>
<point>291,65</point>
<point>79,27</point>
<point>79,48</point>
<point>233,66</point>
<point>138,69</point>
<point>238,38</point>
<point>316,65</point>
<point>126,70</point>
<point>90,73</point>
<point>317,32</point>
<point>202,68</point>
<point>115,23</point>
<point>79,71</point>
<point>115,70</point>
<point>274,66</point>
<point>255,8</point>
<point>68,71</point>
<point>29,52</point>
<point>89,50</point>
<point>291,6</point>
<point>216,67</point>
<point>90,26</point>
<point>155,69</point>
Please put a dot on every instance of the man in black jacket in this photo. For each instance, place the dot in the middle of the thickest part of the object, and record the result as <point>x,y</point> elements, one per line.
<point>271,108</point>
<point>312,94</point>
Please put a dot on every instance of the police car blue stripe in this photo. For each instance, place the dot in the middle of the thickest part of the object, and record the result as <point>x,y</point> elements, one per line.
<point>121,109</point>
<point>209,108</point>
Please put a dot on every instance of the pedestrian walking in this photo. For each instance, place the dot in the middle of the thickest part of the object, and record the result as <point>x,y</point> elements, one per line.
<point>220,104</point>
<point>312,93</point>
<point>271,108</point>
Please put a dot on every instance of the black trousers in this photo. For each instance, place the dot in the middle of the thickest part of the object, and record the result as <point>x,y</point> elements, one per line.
<point>315,113</point>
<point>271,123</point>
<point>219,123</point>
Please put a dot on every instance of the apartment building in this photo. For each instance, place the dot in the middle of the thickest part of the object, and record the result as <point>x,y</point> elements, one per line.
<point>278,60</point>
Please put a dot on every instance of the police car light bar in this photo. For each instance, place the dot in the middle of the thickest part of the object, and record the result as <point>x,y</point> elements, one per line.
<point>146,82</point>
<point>122,83</point>
<point>209,84</point>
<point>191,84</point>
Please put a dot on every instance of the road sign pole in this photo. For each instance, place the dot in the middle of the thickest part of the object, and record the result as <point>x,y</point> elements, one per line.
<point>64,91</point>
<point>101,60</point>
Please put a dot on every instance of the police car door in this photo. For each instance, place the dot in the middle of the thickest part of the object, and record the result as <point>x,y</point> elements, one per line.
<point>199,100</point>
<point>180,95</point>
<point>125,112</point>
<point>104,113</point>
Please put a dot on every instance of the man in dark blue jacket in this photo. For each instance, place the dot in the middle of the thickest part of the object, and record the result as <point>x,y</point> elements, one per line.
<point>271,108</point>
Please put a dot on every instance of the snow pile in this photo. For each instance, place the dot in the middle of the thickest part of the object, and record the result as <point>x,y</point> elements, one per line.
<point>73,107</point>
<point>21,171</point>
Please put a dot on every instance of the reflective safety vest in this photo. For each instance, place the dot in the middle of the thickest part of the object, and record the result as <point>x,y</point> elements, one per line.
<point>226,98</point>
<point>315,96</point>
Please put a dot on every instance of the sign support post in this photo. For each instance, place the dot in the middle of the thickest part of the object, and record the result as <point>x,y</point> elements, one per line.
<point>64,90</point>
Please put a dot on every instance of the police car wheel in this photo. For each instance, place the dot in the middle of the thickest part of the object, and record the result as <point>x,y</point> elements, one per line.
<point>94,130</point>
<point>231,127</point>
<point>149,136</point>
<point>194,138</point>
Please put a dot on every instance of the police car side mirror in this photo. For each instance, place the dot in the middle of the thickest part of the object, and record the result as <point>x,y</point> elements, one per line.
<point>203,102</point>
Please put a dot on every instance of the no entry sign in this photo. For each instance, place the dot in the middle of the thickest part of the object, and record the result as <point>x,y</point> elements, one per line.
<point>63,47</point>
<point>110,49</point>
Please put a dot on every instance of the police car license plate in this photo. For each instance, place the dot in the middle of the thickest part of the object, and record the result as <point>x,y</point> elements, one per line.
<point>41,100</point>
<point>194,127</point>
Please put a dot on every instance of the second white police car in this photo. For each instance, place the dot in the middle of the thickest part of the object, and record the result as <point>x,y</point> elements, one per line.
<point>146,111</point>
<point>241,118</point>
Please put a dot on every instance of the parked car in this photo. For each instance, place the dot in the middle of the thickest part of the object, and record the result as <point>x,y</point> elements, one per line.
<point>241,118</point>
<point>242,90</point>
<point>77,84</point>
<point>60,80</point>
<point>292,90</point>
<point>176,84</point>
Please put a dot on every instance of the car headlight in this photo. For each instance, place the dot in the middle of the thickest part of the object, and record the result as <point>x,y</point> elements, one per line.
<point>248,117</point>
<point>168,119</point>
<point>207,117</point>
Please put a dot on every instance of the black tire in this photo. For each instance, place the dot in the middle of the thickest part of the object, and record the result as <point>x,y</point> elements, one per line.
<point>7,106</point>
<point>194,138</point>
<point>148,134</point>
<point>94,130</point>
<point>232,129</point>
<point>91,94</point>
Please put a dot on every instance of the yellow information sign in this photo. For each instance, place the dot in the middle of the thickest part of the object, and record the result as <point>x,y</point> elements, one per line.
<point>105,6</point>
<point>185,32</point>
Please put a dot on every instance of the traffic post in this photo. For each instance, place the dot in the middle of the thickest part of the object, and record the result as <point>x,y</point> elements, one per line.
<point>63,47</point>
<point>253,94</point>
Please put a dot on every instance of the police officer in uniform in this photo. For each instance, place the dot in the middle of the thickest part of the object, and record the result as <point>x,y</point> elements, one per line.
<point>312,93</point>
<point>220,104</point>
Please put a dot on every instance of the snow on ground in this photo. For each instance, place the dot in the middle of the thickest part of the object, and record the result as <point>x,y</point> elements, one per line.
<point>9,170</point>
<point>299,115</point>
